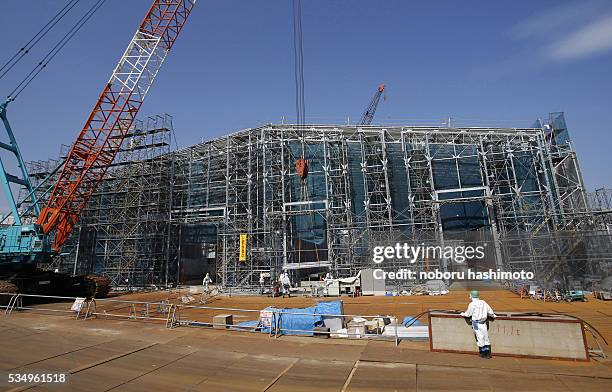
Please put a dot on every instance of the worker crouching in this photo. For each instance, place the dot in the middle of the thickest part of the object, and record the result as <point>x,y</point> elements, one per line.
<point>479,311</point>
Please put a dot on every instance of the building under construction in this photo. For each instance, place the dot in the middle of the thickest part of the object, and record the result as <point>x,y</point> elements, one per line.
<point>316,198</point>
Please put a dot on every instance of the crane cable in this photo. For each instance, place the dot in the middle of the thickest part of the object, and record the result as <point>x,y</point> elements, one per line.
<point>300,107</point>
<point>55,50</point>
<point>25,49</point>
<point>298,55</point>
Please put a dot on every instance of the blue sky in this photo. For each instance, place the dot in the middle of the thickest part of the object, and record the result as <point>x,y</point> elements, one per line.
<point>480,62</point>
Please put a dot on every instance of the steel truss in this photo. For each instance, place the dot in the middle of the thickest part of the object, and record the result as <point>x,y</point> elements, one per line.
<point>112,116</point>
<point>520,190</point>
<point>373,185</point>
<point>123,232</point>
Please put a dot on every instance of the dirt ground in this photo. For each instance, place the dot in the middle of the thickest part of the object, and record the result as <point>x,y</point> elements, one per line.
<point>124,354</point>
<point>596,312</point>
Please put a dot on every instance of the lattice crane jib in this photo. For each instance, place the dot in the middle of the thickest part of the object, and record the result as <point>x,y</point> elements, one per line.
<point>112,116</point>
<point>368,115</point>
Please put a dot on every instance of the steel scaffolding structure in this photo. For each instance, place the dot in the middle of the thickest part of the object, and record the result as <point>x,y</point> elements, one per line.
<point>123,233</point>
<point>238,205</point>
<point>128,213</point>
<point>516,189</point>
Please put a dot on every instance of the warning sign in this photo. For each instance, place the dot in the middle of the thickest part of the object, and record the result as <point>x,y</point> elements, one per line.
<point>78,304</point>
<point>243,248</point>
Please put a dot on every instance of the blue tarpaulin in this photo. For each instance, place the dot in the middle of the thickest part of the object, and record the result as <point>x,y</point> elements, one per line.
<point>410,321</point>
<point>301,321</point>
<point>329,307</point>
<point>296,322</point>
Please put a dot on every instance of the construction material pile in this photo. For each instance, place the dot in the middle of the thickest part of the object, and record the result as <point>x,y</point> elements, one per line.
<point>6,287</point>
<point>326,319</point>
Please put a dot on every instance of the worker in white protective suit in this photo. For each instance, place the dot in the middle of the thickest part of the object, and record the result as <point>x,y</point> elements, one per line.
<point>327,281</point>
<point>262,280</point>
<point>479,311</point>
<point>206,281</point>
<point>285,283</point>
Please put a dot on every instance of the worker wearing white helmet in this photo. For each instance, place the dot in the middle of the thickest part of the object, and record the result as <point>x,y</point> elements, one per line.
<point>478,310</point>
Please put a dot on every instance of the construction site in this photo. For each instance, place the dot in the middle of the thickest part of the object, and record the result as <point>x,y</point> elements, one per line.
<point>162,218</point>
<point>277,257</point>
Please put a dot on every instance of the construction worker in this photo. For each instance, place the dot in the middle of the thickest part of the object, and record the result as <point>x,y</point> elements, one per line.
<point>478,310</point>
<point>280,281</point>
<point>327,281</point>
<point>262,280</point>
<point>286,283</point>
<point>207,280</point>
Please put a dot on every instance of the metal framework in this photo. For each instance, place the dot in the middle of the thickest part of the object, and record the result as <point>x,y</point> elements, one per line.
<point>22,180</point>
<point>112,116</point>
<point>518,190</point>
<point>369,185</point>
<point>368,115</point>
<point>123,232</point>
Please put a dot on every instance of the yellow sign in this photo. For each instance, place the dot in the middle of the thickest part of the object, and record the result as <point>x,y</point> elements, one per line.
<point>243,248</point>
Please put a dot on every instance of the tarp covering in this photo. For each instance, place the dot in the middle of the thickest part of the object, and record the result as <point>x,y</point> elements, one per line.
<point>334,323</point>
<point>300,321</point>
<point>350,280</point>
<point>329,307</point>
<point>296,322</point>
<point>409,321</point>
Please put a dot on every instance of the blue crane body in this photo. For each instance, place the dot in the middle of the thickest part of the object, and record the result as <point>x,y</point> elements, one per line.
<point>25,246</point>
<point>19,243</point>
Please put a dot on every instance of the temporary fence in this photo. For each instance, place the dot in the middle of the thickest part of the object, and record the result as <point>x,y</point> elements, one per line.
<point>173,315</point>
<point>273,321</point>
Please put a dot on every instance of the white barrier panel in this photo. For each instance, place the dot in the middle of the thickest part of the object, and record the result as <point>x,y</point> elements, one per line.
<point>554,337</point>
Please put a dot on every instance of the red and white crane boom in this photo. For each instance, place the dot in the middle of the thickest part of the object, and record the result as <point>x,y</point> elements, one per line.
<point>112,116</point>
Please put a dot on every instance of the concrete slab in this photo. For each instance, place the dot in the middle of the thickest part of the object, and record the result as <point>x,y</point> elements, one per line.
<point>251,373</point>
<point>444,378</point>
<point>122,370</point>
<point>83,357</point>
<point>377,352</point>
<point>46,346</point>
<point>333,350</point>
<point>15,333</point>
<point>187,373</point>
<point>581,384</point>
<point>314,375</point>
<point>370,376</point>
<point>510,381</point>
<point>222,360</point>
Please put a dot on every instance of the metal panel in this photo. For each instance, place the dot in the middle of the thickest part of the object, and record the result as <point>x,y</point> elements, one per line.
<point>556,337</point>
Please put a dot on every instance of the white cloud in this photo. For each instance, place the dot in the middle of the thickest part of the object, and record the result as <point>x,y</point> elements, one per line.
<point>556,20</point>
<point>589,40</point>
<point>571,31</point>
